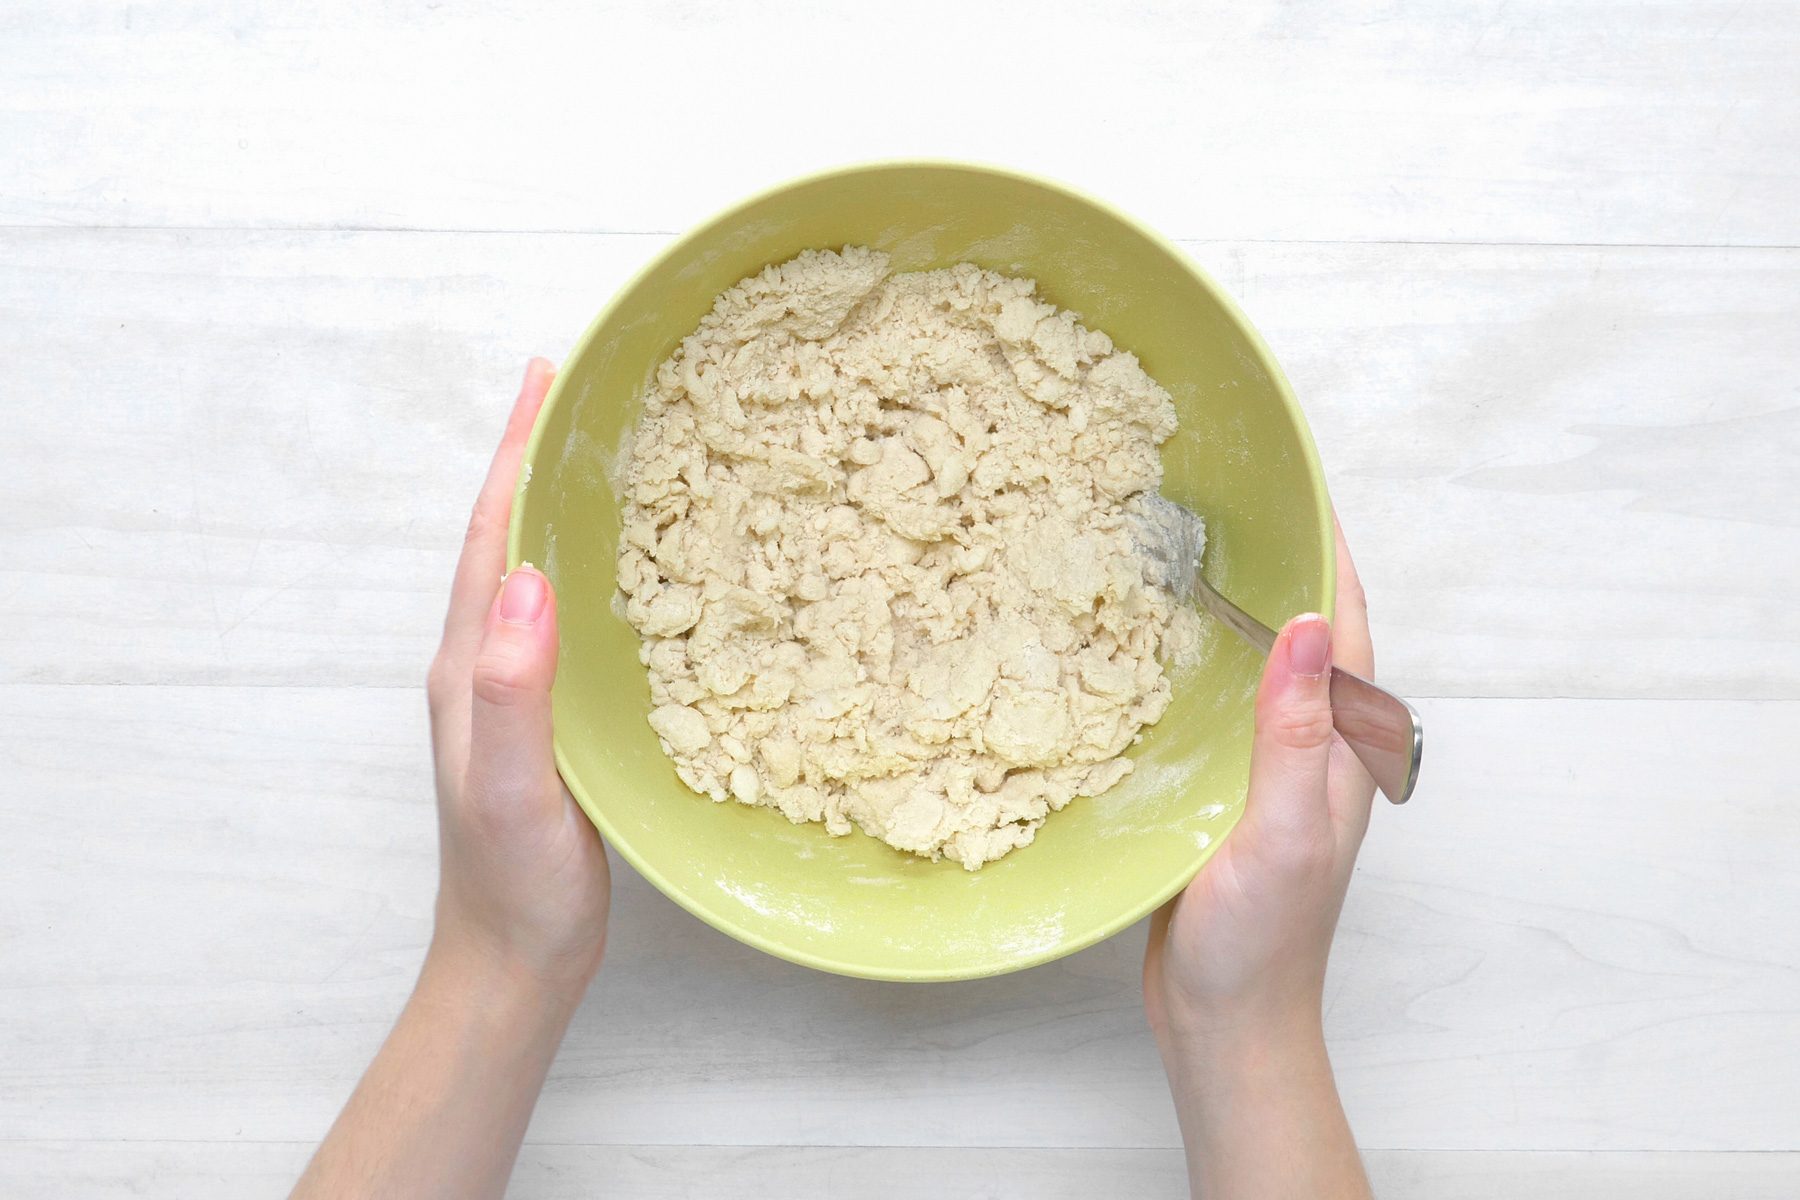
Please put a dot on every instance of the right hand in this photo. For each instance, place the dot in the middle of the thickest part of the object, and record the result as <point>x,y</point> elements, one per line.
<point>1245,944</point>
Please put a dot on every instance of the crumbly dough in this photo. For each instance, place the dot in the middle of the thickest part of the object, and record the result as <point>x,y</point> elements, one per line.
<point>876,542</point>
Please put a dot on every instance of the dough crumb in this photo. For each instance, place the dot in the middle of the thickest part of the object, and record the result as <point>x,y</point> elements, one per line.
<point>877,544</point>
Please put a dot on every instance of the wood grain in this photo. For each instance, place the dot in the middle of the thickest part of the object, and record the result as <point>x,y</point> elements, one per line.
<point>1578,937</point>
<point>1674,121</point>
<point>246,458</point>
<point>230,1170</point>
<point>1530,264</point>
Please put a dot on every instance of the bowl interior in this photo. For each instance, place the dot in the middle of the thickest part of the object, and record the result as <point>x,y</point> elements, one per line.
<point>1242,458</point>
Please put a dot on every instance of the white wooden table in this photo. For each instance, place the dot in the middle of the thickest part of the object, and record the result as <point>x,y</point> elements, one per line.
<point>268,273</point>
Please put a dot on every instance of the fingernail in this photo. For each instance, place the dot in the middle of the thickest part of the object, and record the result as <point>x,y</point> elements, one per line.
<point>522,597</point>
<point>1309,645</point>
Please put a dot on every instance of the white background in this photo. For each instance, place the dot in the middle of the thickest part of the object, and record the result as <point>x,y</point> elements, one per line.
<point>269,273</point>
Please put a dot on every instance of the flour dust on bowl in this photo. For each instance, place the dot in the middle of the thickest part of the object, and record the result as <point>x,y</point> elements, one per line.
<point>853,904</point>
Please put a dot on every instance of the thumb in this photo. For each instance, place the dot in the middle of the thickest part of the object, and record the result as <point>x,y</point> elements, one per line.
<point>510,754</point>
<point>1291,752</point>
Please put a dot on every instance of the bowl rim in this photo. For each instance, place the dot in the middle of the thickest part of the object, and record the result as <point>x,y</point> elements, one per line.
<point>1166,889</point>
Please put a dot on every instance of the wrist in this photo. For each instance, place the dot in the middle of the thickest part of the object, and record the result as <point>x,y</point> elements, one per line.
<point>1213,1055</point>
<point>1253,1020</point>
<point>1259,1110</point>
<point>469,974</point>
<point>514,953</point>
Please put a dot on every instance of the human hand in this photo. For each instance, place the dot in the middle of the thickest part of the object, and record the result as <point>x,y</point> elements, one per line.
<point>1247,940</point>
<point>523,884</point>
<point>522,892</point>
<point>1234,970</point>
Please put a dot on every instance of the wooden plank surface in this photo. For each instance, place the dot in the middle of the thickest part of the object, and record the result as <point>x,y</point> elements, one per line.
<point>1532,267</point>
<point>231,1170</point>
<point>1672,121</point>
<point>218,896</point>
<point>242,458</point>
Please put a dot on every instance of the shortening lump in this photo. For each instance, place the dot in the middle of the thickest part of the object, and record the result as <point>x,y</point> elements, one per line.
<point>877,545</point>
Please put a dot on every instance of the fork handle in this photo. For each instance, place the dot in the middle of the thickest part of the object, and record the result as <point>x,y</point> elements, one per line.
<point>1380,727</point>
<point>1383,729</point>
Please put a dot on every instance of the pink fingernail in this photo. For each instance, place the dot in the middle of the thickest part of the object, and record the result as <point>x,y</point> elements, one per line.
<point>1309,645</point>
<point>522,597</point>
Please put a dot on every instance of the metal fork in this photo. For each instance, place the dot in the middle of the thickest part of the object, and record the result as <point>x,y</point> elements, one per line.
<point>1380,727</point>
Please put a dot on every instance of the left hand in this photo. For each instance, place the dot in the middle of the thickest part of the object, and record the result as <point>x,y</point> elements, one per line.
<point>522,892</point>
<point>523,884</point>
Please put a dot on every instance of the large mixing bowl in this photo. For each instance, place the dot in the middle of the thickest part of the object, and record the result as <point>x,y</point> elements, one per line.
<point>1243,459</point>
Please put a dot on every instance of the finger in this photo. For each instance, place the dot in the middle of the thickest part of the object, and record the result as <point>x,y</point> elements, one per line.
<point>484,549</point>
<point>1352,794</point>
<point>1291,749</point>
<point>1159,921</point>
<point>1353,789</point>
<point>1154,940</point>
<point>512,765</point>
<point>1351,647</point>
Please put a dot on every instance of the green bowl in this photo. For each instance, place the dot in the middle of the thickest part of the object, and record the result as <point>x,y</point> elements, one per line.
<point>1243,458</point>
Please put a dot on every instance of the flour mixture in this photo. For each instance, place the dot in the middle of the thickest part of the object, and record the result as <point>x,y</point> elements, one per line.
<point>876,544</point>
